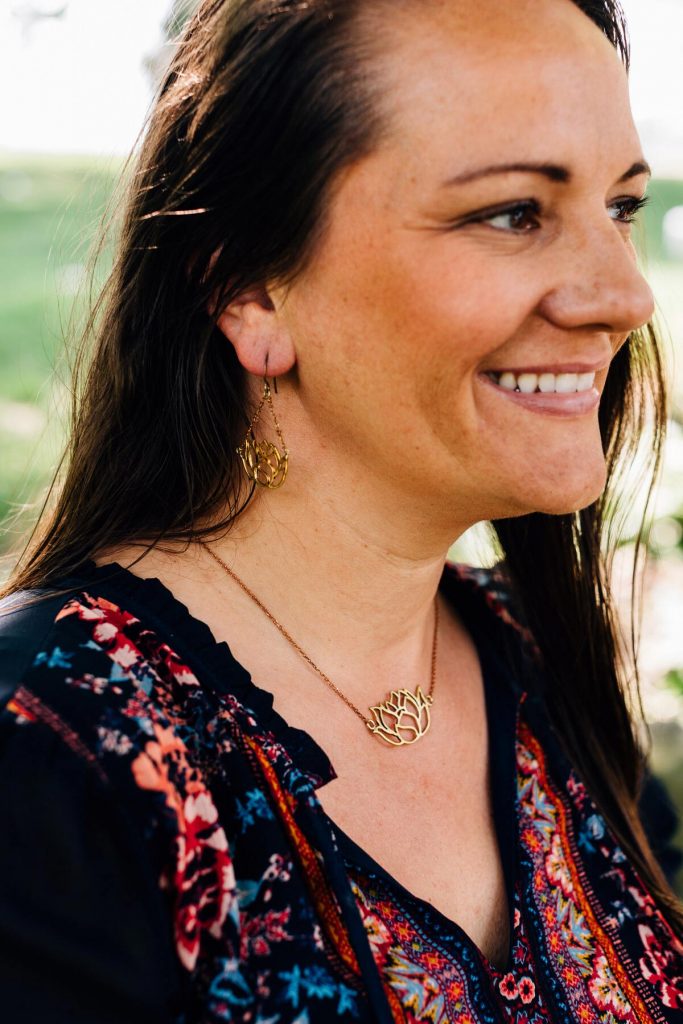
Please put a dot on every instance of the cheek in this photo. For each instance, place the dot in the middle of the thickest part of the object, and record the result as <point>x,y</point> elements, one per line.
<point>392,328</point>
<point>426,309</point>
<point>462,313</point>
<point>462,305</point>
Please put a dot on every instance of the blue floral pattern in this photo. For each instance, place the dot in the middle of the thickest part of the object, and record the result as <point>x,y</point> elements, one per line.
<point>270,925</point>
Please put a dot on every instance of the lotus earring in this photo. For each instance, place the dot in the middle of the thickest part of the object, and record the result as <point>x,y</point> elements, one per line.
<point>263,461</point>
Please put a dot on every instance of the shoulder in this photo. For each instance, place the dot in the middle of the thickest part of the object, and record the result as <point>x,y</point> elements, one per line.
<point>26,620</point>
<point>95,767</point>
<point>84,672</point>
<point>70,669</point>
<point>97,665</point>
<point>64,641</point>
<point>94,691</point>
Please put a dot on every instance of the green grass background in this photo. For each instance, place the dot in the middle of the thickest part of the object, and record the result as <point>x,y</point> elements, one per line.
<point>50,211</point>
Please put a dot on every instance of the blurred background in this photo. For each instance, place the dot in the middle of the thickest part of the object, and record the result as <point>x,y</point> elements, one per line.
<point>76,80</point>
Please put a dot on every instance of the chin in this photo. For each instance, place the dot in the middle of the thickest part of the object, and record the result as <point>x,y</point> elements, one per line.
<point>564,500</point>
<point>572,490</point>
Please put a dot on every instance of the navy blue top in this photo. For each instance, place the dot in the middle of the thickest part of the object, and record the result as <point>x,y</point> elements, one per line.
<point>165,858</point>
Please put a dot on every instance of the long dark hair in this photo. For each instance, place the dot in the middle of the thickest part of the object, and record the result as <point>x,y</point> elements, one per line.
<point>262,106</point>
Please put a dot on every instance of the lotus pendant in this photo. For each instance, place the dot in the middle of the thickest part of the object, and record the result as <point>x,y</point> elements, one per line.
<point>403,718</point>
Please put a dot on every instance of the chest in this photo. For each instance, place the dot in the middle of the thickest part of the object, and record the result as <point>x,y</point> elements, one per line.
<point>429,823</point>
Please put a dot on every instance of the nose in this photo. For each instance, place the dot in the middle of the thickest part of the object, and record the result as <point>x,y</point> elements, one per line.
<point>598,284</point>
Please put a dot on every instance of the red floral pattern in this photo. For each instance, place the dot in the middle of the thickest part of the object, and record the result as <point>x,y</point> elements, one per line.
<point>203,881</point>
<point>592,977</point>
<point>662,968</point>
<point>262,923</point>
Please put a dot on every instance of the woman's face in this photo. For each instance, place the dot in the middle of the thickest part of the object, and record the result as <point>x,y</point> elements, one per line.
<point>484,247</point>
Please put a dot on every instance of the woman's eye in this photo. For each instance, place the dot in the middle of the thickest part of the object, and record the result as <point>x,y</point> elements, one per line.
<point>519,219</point>
<point>627,208</point>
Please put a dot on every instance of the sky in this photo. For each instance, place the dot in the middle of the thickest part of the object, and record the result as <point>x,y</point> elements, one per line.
<point>77,84</point>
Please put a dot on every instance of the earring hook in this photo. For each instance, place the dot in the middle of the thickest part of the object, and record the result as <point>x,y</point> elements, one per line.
<point>265,376</point>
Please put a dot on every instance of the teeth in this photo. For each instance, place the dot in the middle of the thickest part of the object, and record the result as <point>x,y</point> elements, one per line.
<point>527,383</point>
<point>547,383</point>
<point>566,383</point>
<point>508,381</point>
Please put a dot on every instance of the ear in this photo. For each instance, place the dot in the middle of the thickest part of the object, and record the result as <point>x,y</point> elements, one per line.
<point>254,325</point>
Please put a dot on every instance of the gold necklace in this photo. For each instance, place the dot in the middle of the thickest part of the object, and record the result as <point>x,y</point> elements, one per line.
<point>403,718</point>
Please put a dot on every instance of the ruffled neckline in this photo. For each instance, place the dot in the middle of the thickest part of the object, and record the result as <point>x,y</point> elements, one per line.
<point>215,666</point>
<point>212,661</point>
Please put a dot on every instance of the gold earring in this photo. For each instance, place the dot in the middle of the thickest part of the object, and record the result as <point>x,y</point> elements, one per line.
<point>262,460</point>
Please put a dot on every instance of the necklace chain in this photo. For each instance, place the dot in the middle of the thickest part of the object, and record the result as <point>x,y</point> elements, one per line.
<point>297,647</point>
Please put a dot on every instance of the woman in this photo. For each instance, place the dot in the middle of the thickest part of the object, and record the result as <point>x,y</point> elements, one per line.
<point>375,284</point>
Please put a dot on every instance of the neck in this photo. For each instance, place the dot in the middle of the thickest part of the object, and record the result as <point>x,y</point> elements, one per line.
<point>339,573</point>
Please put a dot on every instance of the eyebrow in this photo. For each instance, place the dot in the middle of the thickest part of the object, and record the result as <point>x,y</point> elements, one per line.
<point>554,172</point>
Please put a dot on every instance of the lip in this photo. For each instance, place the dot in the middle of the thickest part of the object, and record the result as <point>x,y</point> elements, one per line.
<point>576,403</point>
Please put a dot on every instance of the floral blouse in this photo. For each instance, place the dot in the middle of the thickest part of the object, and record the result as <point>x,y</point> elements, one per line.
<point>165,859</point>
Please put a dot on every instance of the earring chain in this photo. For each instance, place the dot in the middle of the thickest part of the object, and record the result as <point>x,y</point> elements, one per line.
<point>268,397</point>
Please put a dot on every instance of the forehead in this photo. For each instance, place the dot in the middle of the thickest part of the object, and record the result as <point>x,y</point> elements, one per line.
<point>472,80</point>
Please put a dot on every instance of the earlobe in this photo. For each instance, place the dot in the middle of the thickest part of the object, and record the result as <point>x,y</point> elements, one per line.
<point>254,327</point>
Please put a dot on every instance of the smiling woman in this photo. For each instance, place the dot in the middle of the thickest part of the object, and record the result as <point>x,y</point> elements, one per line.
<point>375,285</point>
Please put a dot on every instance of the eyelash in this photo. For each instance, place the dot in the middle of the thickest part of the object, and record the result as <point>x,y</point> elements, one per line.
<point>633,205</point>
<point>630,205</point>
